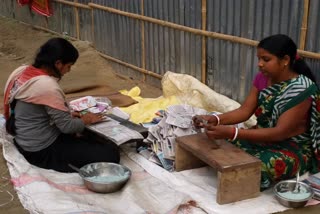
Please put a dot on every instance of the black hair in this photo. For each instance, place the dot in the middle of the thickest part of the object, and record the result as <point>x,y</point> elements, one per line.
<point>281,45</point>
<point>53,50</point>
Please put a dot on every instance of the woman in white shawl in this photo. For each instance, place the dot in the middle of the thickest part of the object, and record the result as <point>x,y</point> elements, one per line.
<point>39,118</point>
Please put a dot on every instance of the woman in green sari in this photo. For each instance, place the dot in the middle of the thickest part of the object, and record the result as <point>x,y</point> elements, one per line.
<point>286,101</point>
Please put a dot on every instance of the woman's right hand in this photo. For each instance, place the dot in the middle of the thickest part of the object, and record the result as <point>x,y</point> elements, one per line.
<point>200,121</point>
<point>90,118</point>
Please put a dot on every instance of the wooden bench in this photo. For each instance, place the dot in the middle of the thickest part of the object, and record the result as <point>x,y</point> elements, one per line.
<point>238,172</point>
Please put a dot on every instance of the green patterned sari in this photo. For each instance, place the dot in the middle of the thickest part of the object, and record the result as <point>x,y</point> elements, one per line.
<point>283,160</point>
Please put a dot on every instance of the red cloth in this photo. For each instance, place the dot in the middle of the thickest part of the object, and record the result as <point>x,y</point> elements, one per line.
<point>42,7</point>
<point>39,6</point>
<point>24,2</point>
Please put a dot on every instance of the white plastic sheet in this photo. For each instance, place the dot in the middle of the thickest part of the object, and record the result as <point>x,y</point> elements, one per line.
<point>191,91</point>
<point>48,191</point>
<point>151,189</point>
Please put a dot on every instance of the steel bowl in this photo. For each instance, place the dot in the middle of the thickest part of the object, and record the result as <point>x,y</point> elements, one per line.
<point>293,194</point>
<point>105,177</point>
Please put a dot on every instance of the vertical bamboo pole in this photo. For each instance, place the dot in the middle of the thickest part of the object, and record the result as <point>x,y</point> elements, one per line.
<point>304,25</point>
<point>203,45</point>
<point>76,14</point>
<point>143,51</point>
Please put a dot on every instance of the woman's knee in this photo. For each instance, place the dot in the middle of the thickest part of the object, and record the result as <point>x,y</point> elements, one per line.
<point>116,154</point>
<point>111,153</point>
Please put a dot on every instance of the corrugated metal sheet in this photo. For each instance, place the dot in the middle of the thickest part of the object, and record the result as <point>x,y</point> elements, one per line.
<point>230,66</point>
<point>22,13</point>
<point>169,49</point>
<point>166,49</point>
<point>85,26</point>
<point>54,22</point>
<point>67,20</point>
<point>234,65</point>
<point>118,36</point>
<point>7,8</point>
<point>313,36</point>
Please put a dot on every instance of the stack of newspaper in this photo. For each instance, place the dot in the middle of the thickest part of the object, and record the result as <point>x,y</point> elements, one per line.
<point>176,122</point>
<point>90,104</point>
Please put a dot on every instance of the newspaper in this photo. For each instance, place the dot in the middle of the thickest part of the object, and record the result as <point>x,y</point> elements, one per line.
<point>83,103</point>
<point>114,131</point>
<point>176,122</point>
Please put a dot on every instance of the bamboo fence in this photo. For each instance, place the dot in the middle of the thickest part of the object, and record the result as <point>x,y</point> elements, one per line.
<point>303,30</point>
<point>201,32</point>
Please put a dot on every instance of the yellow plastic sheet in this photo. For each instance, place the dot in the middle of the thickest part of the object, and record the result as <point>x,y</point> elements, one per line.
<point>134,93</point>
<point>144,111</point>
<point>180,89</point>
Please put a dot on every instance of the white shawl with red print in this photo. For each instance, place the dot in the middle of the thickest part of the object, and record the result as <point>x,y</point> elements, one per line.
<point>33,85</point>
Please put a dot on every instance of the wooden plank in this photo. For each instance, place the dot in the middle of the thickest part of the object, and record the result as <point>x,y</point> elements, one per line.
<point>239,173</point>
<point>219,154</point>
<point>238,184</point>
<point>185,160</point>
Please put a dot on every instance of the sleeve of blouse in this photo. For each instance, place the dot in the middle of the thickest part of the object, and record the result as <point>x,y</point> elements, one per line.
<point>64,121</point>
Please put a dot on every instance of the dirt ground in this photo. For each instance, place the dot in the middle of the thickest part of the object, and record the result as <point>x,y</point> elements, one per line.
<point>18,43</point>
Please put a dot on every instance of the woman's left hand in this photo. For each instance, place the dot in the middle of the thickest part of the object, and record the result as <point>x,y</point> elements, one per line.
<point>75,114</point>
<point>219,132</point>
<point>91,118</point>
